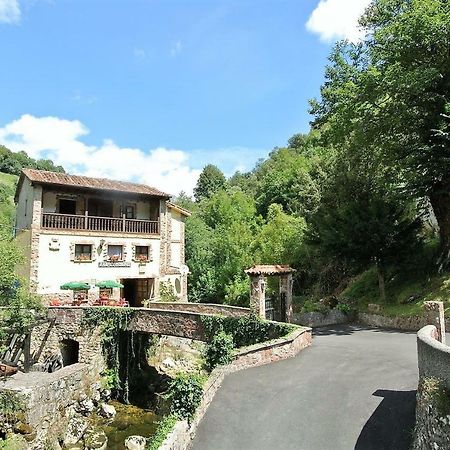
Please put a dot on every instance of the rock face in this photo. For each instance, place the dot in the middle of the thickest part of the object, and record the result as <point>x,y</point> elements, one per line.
<point>86,407</point>
<point>432,430</point>
<point>135,443</point>
<point>107,411</point>
<point>75,430</point>
<point>95,440</point>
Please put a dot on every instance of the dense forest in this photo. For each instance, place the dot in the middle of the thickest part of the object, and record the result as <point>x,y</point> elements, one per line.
<point>359,205</point>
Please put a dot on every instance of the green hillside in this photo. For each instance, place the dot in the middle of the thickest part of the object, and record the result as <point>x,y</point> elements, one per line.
<point>7,188</point>
<point>407,286</point>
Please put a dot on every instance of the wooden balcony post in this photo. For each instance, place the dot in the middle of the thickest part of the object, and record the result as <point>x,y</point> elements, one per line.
<point>123,223</point>
<point>86,220</point>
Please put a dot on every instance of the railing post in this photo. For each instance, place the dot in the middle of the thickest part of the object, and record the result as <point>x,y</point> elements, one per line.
<point>86,220</point>
<point>434,313</point>
<point>123,223</point>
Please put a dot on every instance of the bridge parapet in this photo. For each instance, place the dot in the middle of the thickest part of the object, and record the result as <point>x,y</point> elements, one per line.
<point>172,321</point>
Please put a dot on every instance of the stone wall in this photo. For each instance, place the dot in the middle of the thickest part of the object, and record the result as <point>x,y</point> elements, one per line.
<point>46,398</point>
<point>433,356</point>
<point>414,323</point>
<point>318,319</point>
<point>201,308</point>
<point>181,436</point>
<point>65,323</point>
<point>432,431</point>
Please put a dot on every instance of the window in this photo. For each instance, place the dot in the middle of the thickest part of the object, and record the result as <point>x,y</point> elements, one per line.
<point>130,212</point>
<point>115,252</point>
<point>83,252</point>
<point>67,206</point>
<point>141,253</point>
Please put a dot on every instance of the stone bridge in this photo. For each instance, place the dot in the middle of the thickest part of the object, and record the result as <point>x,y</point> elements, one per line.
<point>66,332</point>
<point>172,319</point>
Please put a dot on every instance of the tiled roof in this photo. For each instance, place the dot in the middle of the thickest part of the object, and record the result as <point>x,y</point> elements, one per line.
<point>78,181</point>
<point>180,209</point>
<point>270,269</point>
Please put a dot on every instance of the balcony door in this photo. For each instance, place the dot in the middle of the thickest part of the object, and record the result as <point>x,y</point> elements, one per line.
<point>67,206</point>
<point>100,207</point>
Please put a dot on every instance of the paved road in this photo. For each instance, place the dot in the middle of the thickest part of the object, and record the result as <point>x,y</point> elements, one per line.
<point>353,389</point>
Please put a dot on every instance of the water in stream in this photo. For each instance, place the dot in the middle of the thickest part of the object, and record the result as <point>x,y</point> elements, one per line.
<point>130,420</point>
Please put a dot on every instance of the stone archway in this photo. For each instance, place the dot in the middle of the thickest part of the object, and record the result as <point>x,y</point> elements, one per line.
<point>70,350</point>
<point>258,274</point>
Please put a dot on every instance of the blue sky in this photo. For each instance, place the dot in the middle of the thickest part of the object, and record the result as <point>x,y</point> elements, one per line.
<point>153,90</point>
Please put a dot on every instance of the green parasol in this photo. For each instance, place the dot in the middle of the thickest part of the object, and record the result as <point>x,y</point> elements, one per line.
<point>109,284</point>
<point>75,286</point>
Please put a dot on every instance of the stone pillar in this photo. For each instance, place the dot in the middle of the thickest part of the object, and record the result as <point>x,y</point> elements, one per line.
<point>286,289</point>
<point>434,313</point>
<point>258,295</point>
<point>35,237</point>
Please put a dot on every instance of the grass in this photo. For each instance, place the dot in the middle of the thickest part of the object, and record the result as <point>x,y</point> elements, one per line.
<point>407,286</point>
<point>7,189</point>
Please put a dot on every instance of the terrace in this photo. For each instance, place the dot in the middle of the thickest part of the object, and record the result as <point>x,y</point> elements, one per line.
<point>98,223</point>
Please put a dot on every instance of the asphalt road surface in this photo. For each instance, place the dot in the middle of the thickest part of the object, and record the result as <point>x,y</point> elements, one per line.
<point>354,388</point>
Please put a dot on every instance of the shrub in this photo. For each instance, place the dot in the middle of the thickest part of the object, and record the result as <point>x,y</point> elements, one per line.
<point>245,330</point>
<point>343,307</point>
<point>165,426</point>
<point>220,350</point>
<point>167,292</point>
<point>185,393</point>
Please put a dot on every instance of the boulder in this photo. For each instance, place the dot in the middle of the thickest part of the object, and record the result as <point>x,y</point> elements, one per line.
<point>96,397</point>
<point>105,394</point>
<point>107,411</point>
<point>95,440</point>
<point>86,407</point>
<point>135,443</point>
<point>75,430</point>
<point>169,362</point>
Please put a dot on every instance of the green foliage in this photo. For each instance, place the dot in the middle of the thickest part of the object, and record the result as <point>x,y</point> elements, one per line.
<point>343,307</point>
<point>385,103</point>
<point>219,238</point>
<point>14,162</point>
<point>210,181</point>
<point>165,426</point>
<point>167,292</point>
<point>219,350</point>
<point>288,178</point>
<point>112,322</point>
<point>280,237</point>
<point>110,379</point>
<point>11,407</point>
<point>310,306</point>
<point>436,394</point>
<point>245,330</point>
<point>185,394</point>
<point>22,307</point>
<point>408,285</point>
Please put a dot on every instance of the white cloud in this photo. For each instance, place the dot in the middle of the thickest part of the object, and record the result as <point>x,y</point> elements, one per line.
<point>163,168</point>
<point>9,11</point>
<point>176,48</point>
<point>337,19</point>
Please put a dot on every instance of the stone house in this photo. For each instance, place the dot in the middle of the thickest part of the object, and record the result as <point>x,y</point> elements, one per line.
<point>77,228</point>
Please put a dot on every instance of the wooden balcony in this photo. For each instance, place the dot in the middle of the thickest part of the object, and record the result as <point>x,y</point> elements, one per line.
<point>94,223</point>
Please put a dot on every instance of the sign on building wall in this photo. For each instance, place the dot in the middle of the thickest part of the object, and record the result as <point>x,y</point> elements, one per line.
<point>114,264</point>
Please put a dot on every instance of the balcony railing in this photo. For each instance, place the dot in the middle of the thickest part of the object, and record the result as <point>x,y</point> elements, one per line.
<point>94,223</point>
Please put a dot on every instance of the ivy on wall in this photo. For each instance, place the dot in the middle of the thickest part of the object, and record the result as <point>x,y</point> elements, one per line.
<point>245,330</point>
